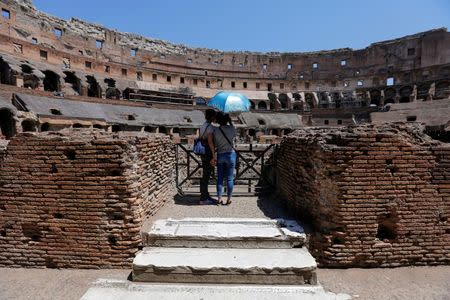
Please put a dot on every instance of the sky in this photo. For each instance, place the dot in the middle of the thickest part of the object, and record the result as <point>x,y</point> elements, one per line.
<point>260,25</point>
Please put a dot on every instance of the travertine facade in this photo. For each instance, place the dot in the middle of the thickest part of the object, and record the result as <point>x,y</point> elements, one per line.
<point>78,200</point>
<point>376,195</point>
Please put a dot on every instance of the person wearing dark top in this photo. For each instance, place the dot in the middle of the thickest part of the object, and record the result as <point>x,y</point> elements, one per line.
<point>206,131</point>
<point>224,156</point>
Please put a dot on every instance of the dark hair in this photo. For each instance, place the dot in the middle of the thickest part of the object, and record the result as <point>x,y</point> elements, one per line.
<point>223,119</point>
<point>210,114</point>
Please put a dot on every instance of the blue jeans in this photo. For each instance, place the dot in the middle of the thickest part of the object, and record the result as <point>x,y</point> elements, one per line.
<point>226,163</point>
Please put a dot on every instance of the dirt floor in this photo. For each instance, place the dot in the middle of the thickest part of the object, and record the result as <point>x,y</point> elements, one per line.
<point>398,283</point>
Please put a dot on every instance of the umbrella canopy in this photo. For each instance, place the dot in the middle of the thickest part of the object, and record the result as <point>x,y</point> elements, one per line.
<point>228,102</point>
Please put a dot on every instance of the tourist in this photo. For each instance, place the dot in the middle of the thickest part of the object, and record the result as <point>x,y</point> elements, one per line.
<point>224,156</point>
<point>206,133</point>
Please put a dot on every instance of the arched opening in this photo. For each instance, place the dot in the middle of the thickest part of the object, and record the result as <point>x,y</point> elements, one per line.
<point>162,129</point>
<point>149,129</point>
<point>252,132</point>
<point>6,75</point>
<point>275,132</point>
<point>309,99</point>
<point>323,99</point>
<point>284,101</point>
<point>97,126</point>
<point>7,123</point>
<point>273,101</point>
<point>442,90</point>
<point>45,127</point>
<point>262,105</point>
<point>297,96</point>
<point>28,125</point>
<point>287,131</point>
<point>175,130</point>
<point>77,125</point>
<point>51,81</point>
<point>297,106</point>
<point>73,81</point>
<point>375,97</point>
<point>116,128</point>
<point>252,104</point>
<point>389,95</point>
<point>112,93</point>
<point>94,89</point>
<point>30,81</point>
<point>423,91</point>
<point>405,94</point>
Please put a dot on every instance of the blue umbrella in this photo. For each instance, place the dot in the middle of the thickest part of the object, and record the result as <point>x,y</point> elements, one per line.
<point>228,102</point>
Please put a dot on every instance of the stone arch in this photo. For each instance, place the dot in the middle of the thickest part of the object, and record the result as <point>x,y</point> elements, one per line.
<point>285,102</point>
<point>405,94</point>
<point>28,125</point>
<point>297,106</point>
<point>273,101</point>
<point>297,96</point>
<point>73,81</point>
<point>442,89</point>
<point>7,123</point>
<point>45,127</point>
<point>162,129</point>
<point>113,93</point>
<point>51,81</point>
<point>262,105</point>
<point>94,89</point>
<point>29,79</point>
<point>423,91</point>
<point>389,95</point>
<point>6,73</point>
<point>309,99</point>
<point>252,104</point>
<point>375,97</point>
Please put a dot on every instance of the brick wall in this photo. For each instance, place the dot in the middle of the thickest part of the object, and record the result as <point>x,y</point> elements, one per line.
<point>75,200</point>
<point>375,195</point>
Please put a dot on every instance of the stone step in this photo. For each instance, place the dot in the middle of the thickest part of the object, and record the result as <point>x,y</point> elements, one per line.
<point>225,233</point>
<point>293,266</point>
<point>122,290</point>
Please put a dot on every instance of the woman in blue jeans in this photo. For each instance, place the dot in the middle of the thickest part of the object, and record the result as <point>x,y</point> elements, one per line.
<point>224,156</point>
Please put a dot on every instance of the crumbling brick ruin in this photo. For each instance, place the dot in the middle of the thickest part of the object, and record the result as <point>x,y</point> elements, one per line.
<point>78,200</point>
<point>376,195</point>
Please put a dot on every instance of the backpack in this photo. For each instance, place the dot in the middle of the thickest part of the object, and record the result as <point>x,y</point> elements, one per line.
<point>199,148</point>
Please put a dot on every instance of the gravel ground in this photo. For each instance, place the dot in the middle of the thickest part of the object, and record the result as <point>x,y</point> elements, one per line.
<point>397,283</point>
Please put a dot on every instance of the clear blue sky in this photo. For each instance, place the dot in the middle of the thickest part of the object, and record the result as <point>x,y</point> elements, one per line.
<point>261,25</point>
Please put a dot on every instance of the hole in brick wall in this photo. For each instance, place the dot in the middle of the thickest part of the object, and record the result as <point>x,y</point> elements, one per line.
<point>112,240</point>
<point>3,233</point>
<point>387,227</point>
<point>336,140</point>
<point>2,207</point>
<point>70,154</point>
<point>447,231</point>
<point>337,240</point>
<point>115,172</point>
<point>49,263</point>
<point>441,217</point>
<point>58,215</point>
<point>389,161</point>
<point>54,169</point>
<point>378,138</point>
<point>116,215</point>
<point>32,232</point>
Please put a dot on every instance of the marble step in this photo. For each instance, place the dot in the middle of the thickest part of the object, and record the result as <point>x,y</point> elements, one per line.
<point>225,233</point>
<point>123,290</point>
<point>294,266</point>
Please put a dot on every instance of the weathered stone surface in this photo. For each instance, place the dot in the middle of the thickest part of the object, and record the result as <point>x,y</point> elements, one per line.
<point>115,290</point>
<point>225,233</point>
<point>203,265</point>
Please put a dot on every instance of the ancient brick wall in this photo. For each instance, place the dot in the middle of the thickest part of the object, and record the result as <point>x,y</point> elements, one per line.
<point>74,201</point>
<point>375,195</point>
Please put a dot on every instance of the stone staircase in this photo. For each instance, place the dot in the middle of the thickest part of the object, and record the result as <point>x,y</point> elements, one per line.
<point>219,258</point>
